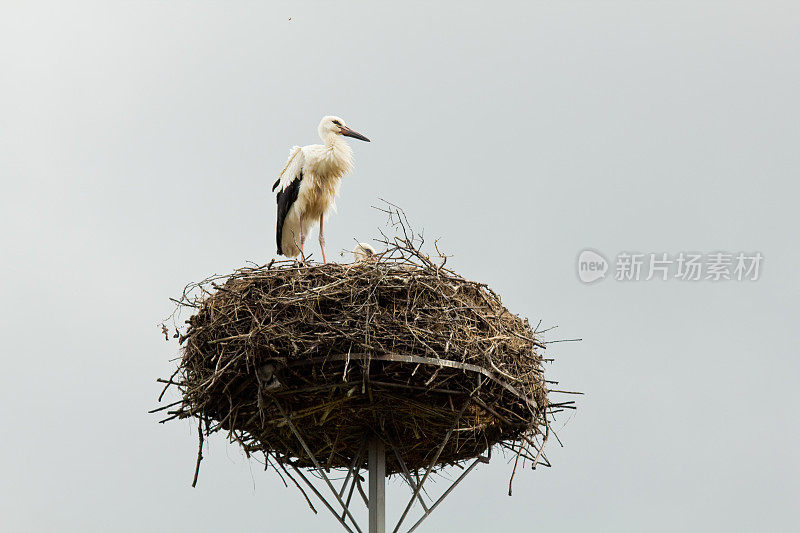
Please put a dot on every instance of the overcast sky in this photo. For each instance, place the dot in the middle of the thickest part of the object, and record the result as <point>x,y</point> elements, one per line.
<point>138,142</point>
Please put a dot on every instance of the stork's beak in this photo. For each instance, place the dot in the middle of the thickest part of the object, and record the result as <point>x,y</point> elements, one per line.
<point>354,134</point>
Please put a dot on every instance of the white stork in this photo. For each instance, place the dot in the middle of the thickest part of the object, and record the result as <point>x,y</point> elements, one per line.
<point>308,184</point>
<point>363,252</point>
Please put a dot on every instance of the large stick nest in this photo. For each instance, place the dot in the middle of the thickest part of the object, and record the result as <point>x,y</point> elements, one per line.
<point>400,347</point>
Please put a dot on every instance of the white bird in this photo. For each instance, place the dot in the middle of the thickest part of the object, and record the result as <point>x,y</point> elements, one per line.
<point>363,252</point>
<point>308,185</point>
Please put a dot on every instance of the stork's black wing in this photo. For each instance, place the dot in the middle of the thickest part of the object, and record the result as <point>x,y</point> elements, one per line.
<point>286,198</point>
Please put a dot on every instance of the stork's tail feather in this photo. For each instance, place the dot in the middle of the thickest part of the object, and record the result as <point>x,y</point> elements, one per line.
<point>275,186</point>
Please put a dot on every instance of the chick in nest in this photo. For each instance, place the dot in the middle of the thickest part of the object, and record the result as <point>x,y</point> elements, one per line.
<point>364,252</point>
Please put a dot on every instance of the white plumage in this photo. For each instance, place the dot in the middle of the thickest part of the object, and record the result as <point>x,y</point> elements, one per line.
<point>308,185</point>
<point>363,252</point>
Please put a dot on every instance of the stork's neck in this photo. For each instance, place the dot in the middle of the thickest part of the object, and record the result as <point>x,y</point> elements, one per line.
<point>333,140</point>
<point>336,144</point>
<point>338,156</point>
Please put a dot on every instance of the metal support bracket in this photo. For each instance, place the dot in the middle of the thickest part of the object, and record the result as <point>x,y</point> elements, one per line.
<point>376,468</point>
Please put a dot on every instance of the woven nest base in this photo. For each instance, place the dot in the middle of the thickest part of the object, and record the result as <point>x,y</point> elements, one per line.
<point>304,363</point>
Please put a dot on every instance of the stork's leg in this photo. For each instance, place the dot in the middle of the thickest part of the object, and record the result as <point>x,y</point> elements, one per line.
<point>322,240</point>
<point>302,240</point>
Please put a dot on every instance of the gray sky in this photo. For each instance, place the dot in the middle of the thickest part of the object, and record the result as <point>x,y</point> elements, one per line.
<point>138,141</point>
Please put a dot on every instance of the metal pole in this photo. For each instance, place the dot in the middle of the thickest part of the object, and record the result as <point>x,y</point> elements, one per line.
<point>377,486</point>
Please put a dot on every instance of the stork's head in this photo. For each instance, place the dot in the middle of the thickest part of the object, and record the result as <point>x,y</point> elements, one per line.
<point>364,252</point>
<point>330,126</point>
